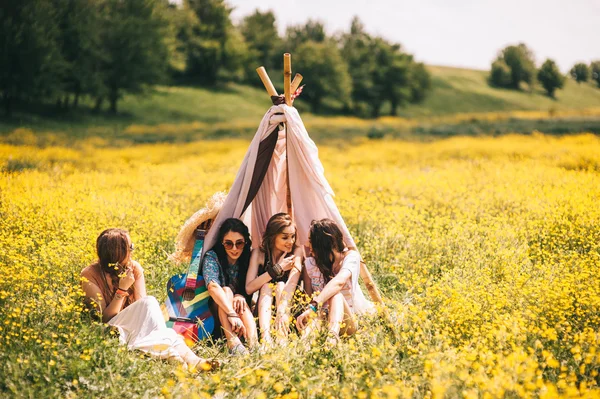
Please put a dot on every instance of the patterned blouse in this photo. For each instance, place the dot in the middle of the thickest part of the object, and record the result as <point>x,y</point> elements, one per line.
<point>212,271</point>
<point>351,262</point>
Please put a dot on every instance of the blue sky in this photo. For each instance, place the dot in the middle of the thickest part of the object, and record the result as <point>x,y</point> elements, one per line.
<point>465,33</point>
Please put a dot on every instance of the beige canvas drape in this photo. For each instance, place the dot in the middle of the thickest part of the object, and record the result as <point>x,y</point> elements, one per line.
<point>311,194</point>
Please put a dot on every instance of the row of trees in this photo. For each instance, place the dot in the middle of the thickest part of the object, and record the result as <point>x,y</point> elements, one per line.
<point>61,51</point>
<point>516,65</point>
<point>583,73</point>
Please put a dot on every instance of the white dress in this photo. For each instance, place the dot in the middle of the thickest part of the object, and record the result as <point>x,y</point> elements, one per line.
<point>141,326</point>
<point>351,290</point>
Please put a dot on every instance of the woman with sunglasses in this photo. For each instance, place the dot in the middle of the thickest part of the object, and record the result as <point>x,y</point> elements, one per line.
<point>224,269</point>
<point>331,276</point>
<point>115,290</point>
<point>277,262</point>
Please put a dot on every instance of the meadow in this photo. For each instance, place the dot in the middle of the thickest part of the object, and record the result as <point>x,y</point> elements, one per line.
<point>486,250</point>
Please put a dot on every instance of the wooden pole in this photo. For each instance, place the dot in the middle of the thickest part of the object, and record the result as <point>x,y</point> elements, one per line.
<point>367,278</point>
<point>296,82</point>
<point>287,78</point>
<point>262,73</point>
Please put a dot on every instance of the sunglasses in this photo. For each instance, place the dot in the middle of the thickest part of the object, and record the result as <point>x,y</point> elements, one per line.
<point>230,244</point>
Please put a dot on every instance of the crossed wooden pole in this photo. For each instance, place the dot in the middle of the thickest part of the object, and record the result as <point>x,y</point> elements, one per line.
<point>290,87</point>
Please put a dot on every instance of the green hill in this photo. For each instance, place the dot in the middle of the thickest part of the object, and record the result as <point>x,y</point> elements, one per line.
<point>456,90</point>
<point>184,113</point>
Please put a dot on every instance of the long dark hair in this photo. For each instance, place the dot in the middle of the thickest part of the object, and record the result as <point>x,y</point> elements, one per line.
<point>325,236</point>
<point>275,226</point>
<point>236,226</point>
<point>114,255</point>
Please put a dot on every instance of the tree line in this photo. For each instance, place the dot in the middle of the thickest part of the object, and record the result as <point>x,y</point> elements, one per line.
<point>63,51</point>
<point>515,65</point>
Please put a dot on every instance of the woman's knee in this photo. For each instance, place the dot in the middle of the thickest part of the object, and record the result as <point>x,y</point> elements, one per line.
<point>266,290</point>
<point>337,300</point>
<point>228,292</point>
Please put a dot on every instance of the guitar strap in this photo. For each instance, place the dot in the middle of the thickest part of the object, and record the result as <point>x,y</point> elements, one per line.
<point>194,269</point>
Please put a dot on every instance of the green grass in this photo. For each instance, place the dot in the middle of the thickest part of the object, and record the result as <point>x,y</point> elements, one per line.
<point>457,90</point>
<point>183,114</point>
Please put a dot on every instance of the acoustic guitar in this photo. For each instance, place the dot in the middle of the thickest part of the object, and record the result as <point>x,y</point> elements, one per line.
<point>187,298</point>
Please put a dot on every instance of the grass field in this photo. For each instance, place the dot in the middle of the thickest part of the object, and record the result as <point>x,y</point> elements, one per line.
<point>486,249</point>
<point>461,102</point>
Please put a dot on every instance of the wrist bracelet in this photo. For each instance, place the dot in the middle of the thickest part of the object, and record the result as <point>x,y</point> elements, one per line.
<point>275,271</point>
<point>312,307</point>
<point>122,292</point>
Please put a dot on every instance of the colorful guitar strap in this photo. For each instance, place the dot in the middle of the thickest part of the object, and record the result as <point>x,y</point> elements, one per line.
<point>192,274</point>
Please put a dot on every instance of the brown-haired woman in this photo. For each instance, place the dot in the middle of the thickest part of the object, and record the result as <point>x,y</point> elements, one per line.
<point>277,261</point>
<point>115,288</point>
<point>332,272</point>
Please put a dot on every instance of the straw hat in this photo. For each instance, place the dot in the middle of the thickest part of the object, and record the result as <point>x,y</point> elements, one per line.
<point>186,237</point>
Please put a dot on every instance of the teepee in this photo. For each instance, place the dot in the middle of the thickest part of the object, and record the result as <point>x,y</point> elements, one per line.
<point>281,172</point>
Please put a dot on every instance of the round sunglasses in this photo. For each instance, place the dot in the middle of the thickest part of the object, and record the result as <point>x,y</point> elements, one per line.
<point>230,244</point>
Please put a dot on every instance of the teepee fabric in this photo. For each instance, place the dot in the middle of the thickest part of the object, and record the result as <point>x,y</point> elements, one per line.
<point>260,187</point>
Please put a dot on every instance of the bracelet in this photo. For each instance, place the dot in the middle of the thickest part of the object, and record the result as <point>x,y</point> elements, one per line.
<point>122,292</point>
<point>275,271</point>
<point>314,305</point>
<point>233,314</point>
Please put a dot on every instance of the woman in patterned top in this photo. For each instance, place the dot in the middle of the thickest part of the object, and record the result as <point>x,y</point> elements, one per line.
<point>278,261</point>
<point>224,269</point>
<point>331,276</point>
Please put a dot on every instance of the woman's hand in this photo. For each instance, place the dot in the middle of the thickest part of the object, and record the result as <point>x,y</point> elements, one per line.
<point>287,263</point>
<point>282,324</point>
<point>237,327</point>
<point>239,304</point>
<point>305,318</point>
<point>127,279</point>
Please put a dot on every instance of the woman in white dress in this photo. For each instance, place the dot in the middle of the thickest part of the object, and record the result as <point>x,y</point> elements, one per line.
<point>331,277</point>
<point>115,288</point>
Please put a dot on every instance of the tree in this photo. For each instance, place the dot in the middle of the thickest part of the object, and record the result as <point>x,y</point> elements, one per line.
<point>237,64</point>
<point>133,44</point>
<point>580,72</point>
<point>261,36</point>
<point>500,74</point>
<point>207,39</point>
<point>391,75</point>
<point>381,72</point>
<point>313,31</point>
<point>595,68</point>
<point>550,77</point>
<point>327,70</point>
<point>356,51</point>
<point>420,82</point>
<point>79,42</point>
<point>31,63</point>
<point>182,21</point>
<point>520,60</point>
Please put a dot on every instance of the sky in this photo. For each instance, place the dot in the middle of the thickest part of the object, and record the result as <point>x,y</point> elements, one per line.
<point>461,33</point>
